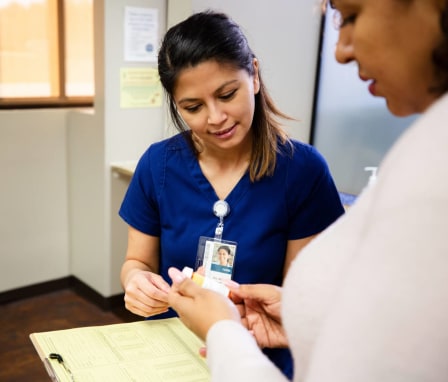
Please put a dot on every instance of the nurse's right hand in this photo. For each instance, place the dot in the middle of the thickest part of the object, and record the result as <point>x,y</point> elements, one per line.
<point>146,294</point>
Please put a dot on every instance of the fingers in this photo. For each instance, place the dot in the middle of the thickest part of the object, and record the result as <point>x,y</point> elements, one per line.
<point>198,308</point>
<point>232,286</point>
<point>147,294</point>
<point>241,309</point>
<point>181,284</point>
<point>203,351</point>
<point>259,292</point>
<point>143,305</point>
<point>160,283</point>
<point>144,310</point>
<point>176,275</point>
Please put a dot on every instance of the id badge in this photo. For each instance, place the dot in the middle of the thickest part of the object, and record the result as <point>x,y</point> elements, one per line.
<point>215,258</point>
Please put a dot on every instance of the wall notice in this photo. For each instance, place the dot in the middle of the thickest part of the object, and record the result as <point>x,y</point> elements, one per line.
<point>140,87</point>
<point>141,27</point>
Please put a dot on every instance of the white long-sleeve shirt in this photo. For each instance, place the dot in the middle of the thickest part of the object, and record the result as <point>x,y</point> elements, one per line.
<point>368,299</point>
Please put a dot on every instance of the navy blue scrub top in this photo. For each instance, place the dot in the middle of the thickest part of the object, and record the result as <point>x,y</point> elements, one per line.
<point>169,197</point>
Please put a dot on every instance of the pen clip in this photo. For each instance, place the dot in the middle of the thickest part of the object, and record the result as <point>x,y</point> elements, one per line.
<point>50,370</point>
<point>60,360</point>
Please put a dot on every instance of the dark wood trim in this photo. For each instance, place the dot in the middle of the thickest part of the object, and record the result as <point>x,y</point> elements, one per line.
<point>62,59</point>
<point>69,282</point>
<point>34,290</point>
<point>105,303</point>
<point>40,103</point>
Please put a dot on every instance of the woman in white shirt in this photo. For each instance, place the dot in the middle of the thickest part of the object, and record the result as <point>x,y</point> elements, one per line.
<point>368,299</point>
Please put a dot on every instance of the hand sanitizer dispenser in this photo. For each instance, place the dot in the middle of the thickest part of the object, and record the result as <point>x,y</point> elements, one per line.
<point>372,177</point>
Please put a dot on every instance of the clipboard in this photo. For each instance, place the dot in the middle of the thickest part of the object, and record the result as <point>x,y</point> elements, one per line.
<point>162,350</point>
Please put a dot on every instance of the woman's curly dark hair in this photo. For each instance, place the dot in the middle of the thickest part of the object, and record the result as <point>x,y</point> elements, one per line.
<point>440,55</point>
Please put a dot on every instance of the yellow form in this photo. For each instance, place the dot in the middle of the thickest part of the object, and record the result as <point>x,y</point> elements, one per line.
<point>155,350</point>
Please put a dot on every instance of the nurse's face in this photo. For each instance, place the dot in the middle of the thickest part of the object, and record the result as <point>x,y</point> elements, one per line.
<point>392,42</point>
<point>217,103</point>
<point>223,257</point>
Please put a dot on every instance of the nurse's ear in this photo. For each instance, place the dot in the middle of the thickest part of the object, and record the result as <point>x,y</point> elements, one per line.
<point>256,78</point>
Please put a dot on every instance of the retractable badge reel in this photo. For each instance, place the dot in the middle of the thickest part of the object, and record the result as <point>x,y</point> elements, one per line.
<point>215,257</point>
<point>221,209</point>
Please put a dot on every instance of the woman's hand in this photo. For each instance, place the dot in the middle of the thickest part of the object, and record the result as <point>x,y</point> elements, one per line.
<point>259,306</point>
<point>198,308</point>
<point>146,293</point>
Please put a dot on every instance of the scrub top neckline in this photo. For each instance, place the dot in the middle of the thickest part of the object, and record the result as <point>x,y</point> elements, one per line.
<point>205,186</point>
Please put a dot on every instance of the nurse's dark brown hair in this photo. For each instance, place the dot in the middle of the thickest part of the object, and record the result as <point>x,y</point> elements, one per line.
<point>214,36</point>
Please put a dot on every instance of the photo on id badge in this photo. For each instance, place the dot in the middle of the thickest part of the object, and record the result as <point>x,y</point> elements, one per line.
<point>215,258</point>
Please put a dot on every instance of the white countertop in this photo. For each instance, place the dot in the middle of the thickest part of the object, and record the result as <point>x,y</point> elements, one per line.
<point>126,168</point>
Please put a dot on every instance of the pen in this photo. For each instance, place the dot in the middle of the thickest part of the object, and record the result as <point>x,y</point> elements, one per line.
<point>59,358</point>
<point>50,370</point>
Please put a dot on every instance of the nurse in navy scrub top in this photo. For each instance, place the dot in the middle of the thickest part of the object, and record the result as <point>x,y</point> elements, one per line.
<point>278,192</point>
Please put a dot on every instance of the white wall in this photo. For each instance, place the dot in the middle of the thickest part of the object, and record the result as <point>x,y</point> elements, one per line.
<point>284,35</point>
<point>33,198</point>
<point>87,189</point>
<point>111,134</point>
<point>58,202</point>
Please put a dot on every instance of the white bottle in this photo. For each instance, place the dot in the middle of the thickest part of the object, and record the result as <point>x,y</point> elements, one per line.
<point>372,177</point>
<point>206,282</point>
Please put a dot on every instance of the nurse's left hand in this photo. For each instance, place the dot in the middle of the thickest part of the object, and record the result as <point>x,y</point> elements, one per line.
<point>198,308</point>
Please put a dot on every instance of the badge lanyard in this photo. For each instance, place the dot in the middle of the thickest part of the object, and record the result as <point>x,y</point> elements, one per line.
<point>221,209</point>
<point>209,249</point>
